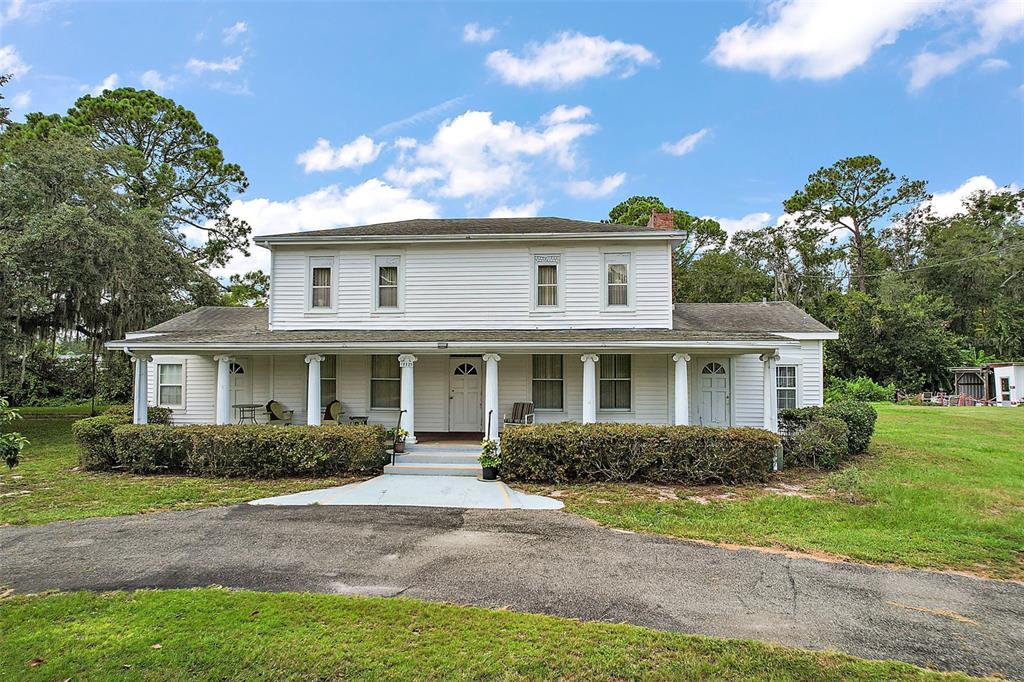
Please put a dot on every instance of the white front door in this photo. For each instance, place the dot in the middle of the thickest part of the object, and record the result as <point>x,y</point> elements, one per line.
<point>465,404</point>
<point>713,393</point>
<point>241,383</point>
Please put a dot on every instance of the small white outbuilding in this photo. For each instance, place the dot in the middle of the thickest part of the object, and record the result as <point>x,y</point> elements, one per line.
<point>1009,382</point>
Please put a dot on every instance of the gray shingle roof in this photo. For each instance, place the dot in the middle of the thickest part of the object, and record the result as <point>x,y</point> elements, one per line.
<point>696,322</point>
<point>434,227</point>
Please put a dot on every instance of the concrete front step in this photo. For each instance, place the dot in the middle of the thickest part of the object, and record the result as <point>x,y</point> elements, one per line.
<point>466,459</point>
<point>426,469</point>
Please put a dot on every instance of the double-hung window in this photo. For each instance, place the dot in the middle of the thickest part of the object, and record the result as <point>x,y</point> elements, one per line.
<point>387,273</point>
<point>170,385</point>
<point>785,386</point>
<point>617,279</point>
<point>385,383</point>
<point>546,277</point>
<point>321,283</point>
<point>328,380</point>
<point>616,391</point>
<point>548,383</point>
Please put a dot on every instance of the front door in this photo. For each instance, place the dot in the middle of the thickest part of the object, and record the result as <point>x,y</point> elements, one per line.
<point>713,393</point>
<point>465,404</point>
<point>241,383</point>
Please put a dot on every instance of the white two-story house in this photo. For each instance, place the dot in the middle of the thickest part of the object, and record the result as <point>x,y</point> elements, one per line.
<point>451,322</point>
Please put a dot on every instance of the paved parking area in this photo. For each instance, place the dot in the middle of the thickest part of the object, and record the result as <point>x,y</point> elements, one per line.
<point>463,492</point>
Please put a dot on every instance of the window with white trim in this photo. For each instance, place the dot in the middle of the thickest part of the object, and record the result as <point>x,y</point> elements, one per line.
<point>328,380</point>
<point>170,385</point>
<point>388,271</point>
<point>616,382</point>
<point>616,267</point>
<point>321,283</point>
<point>548,383</point>
<point>546,278</point>
<point>385,383</point>
<point>785,386</point>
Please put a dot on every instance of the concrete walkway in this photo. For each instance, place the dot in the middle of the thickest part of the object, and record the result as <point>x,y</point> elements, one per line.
<point>461,492</point>
<point>543,562</point>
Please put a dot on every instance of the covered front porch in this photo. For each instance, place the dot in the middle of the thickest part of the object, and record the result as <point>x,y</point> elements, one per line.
<point>467,392</point>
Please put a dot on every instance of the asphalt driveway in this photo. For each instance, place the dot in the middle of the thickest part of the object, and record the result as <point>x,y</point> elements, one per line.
<point>543,562</point>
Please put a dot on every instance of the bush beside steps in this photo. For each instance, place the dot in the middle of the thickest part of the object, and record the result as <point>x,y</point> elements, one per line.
<point>108,442</point>
<point>824,437</point>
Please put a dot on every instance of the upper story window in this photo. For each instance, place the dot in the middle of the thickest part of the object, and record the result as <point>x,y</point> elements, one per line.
<point>387,278</point>
<point>321,283</point>
<point>617,268</point>
<point>546,277</point>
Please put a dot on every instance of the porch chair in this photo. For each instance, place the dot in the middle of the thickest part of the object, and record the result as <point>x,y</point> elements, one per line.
<point>333,412</point>
<point>522,413</point>
<point>277,415</point>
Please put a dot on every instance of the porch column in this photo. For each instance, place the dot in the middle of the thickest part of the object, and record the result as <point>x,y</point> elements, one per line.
<point>141,397</point>
<point>408,403</point>
<point>223,389</point>
<point>313,390</point>
<point>682,403</point>
<point>771,397</point>
<point>491,409</point>
<point>589,388</point>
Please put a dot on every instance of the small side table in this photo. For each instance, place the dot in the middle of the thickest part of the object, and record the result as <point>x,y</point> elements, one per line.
<point>247,412</point>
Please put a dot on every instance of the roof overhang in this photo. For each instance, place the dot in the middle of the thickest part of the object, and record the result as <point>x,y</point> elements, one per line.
<point>307,240</point>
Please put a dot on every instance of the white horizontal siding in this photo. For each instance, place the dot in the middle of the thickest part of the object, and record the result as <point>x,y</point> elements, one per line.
<point>200,391</point>
<point>487,286</point>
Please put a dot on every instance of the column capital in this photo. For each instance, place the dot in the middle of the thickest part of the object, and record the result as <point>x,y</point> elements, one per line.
<point>140,357</point>
<point>222,358</point>
<point>770,355</point>
<point>685,357</point>
<point>406,359</point>
<point>589,357</point>
<point>492,357</point>
<point>313,357</point>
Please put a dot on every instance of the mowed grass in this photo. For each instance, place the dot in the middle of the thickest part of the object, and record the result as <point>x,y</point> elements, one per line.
<point>942,488</point>
<point>227,635</point>
<point>47,485</point>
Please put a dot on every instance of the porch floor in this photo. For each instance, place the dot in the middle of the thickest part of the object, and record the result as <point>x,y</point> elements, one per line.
<point>462,492</point>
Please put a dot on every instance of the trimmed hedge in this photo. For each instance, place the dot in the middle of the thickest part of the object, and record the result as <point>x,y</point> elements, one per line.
<point>95,439</point>
<point>249,451</point>
<point>157,415</point>
<point>823,442</point>
<point>858,417</point>
<point>568,452</point>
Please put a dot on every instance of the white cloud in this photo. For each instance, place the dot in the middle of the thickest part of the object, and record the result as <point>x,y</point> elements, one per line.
<point>589,189</point>
<point>22,100</point>
<point>234,32</point>
<point>471,155</point>
<point>527,210</point>
<point>15,9</point>
<point>332,206</point>
<point>11,62</point>
<point>564,114</point>
<point>474,33</point>
<point>994,64</point>
<point>813,39</point>
<point>226,65</point>
<point>946,204</point>
<point>153,80</point>
<point>569,58</point>
<point>994,22</point>
<point>324,157</point>
<point>108,83</point>
<point>685,145</point>
<point>751,221</point>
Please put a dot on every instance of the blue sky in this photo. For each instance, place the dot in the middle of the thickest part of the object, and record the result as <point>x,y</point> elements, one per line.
<point>352,113</point>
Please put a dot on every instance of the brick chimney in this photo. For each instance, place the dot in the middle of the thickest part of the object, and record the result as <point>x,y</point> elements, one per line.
<point>665,221</point>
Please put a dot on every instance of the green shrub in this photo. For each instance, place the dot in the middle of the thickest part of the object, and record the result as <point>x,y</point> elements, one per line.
<point>152,448</point>
<point>157,415</point>
<point>860,418</point>
<point>860,388</point>
<point>822,443</point>
<point>568,452</point>
<point>95,439</point>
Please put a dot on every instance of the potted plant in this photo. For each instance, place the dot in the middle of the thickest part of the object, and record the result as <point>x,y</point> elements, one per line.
<point>399,435</point>
<point>490,459</point>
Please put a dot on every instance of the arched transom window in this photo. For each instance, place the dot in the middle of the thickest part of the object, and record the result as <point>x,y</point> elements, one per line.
<point>465,369</point>
<point>713,368</point>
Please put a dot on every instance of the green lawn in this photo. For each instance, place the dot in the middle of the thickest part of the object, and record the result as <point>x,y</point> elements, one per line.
<point>943,488</point>
<point>70,410</point>
<point>47,486</point>
<point>227,635</point>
